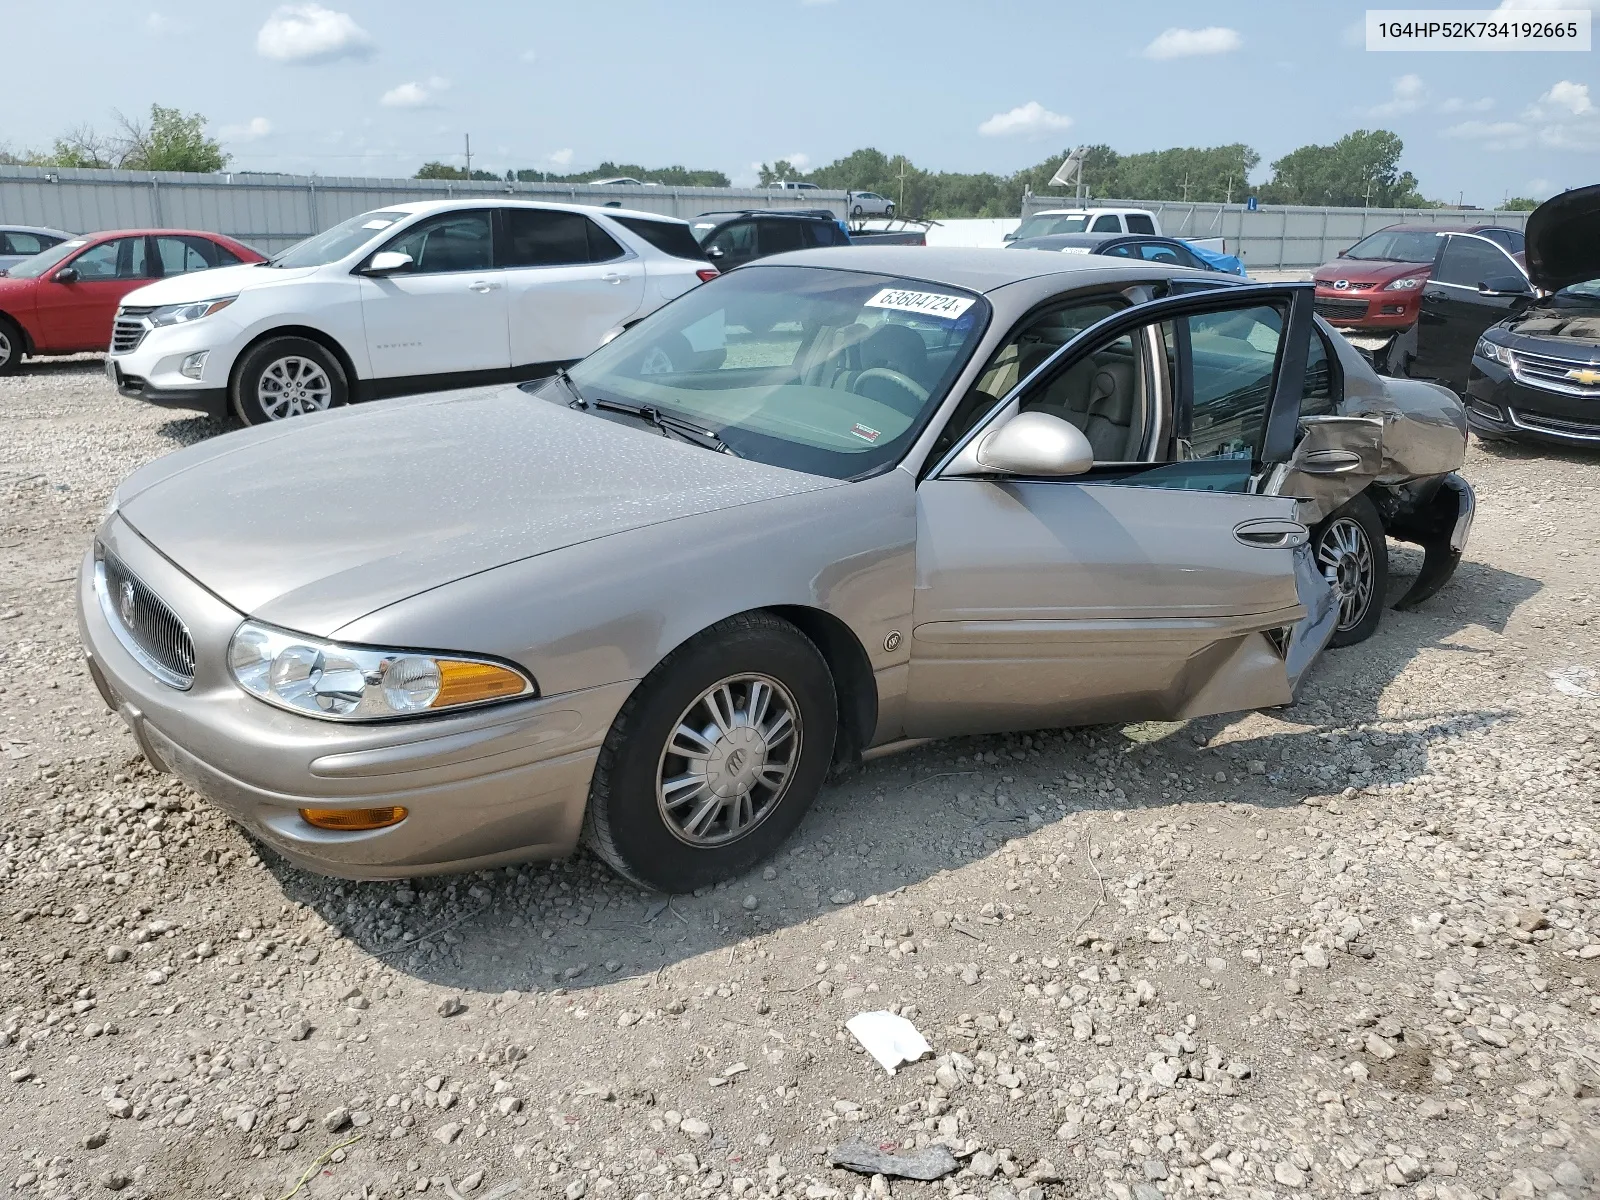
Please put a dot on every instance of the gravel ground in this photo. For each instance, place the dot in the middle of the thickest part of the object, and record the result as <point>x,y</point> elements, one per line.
<point>1347,947</point>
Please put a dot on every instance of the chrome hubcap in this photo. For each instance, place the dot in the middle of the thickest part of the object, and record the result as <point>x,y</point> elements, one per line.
<point>5,348</point>
<point>728,760</point>
<point>1346,558</point>
<point>291,386</point>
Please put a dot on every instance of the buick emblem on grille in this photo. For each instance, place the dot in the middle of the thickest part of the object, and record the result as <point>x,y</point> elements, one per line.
<point>1341,284</point>
<point>127,604</point>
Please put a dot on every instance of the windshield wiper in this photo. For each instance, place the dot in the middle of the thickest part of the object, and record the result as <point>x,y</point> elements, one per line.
<point>577,400</point>
<point>669,425</point>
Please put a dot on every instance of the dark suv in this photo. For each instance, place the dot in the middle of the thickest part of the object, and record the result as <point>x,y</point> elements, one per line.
<point>731,239</point>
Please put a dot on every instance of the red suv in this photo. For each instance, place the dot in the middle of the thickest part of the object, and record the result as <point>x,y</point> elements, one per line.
<point>1375,287</point>
<point>62,301</point>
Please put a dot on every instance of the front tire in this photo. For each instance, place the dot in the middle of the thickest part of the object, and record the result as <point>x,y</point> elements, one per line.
<point>287,377</point>
<point>716,756</point>
<point>1353,555</point>
<point>10,347</point>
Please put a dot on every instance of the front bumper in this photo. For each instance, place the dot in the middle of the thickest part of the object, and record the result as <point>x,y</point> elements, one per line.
<point>151,369</point>
<point>211,401</point>
<point>1374,310</point>
<point>483,788</point>
<point>1501,405</point>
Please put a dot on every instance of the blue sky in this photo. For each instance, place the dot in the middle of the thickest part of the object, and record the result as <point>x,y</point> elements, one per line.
<point>361,87</point>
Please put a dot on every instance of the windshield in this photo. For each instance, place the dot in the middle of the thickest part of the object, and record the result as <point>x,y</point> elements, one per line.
<point>32,268</point>
<point>333,244</point>
<point>702,229</point>
<point>1042,226</point>
<point>825,371</point>
<point>1397,245</point>
<point>1588,290</point>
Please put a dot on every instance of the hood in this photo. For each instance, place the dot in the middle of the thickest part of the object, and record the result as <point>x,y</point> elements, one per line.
<point>323,519</point>
<point>203,285</point>
<point>1367,270</point>
<point>1564,239</point>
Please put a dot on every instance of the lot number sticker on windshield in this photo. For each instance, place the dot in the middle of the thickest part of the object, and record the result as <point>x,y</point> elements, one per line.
<point>929,304</point>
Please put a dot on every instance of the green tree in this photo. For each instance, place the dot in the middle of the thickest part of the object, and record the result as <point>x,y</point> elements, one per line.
<point>1520,204</point>
<point>439,170</point>
<point>673,176</point>
<point>171,141</point>
<point>1361,169</point>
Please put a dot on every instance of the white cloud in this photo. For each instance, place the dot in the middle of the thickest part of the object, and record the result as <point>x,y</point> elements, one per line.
<point>1026,120</point>
<point>309,33</point>
<point>160,23</point>
<point>798,160</point>
<point>415,95</point>
<point>252,130</point>
<point>1407,96</point>
<point>1540,188</point>
<point>1492,135</point>
<point>529,56</point>
<point>1516,6</point>
<point>562,157</point>
<point>1185,43</point>
<point>1455,104</point>
<point>1566,97</point>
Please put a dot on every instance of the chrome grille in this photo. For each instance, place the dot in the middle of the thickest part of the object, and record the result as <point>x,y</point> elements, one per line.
<point>144,624</point>
<point>1339,309</point>
<point>128,330</point>
<point>1588,431</point>
<point>1554,374</point>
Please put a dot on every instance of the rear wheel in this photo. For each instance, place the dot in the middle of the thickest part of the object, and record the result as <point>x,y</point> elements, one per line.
<point>1353,555</point>
<point>716,756</point>
<point>10,346</point>
<point>287,377</point>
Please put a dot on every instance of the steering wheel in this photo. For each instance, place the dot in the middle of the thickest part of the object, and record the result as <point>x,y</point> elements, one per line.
<point>905,383</point>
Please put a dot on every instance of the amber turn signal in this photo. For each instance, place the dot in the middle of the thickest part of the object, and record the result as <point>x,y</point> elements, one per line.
<point>474,682</point>
<point>350,820</point>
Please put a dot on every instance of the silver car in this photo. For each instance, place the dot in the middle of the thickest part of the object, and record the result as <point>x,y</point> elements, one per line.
<point>650,602</point>
<point>18,242</point>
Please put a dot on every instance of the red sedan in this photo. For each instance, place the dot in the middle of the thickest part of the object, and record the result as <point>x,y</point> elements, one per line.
<point>63,300</point>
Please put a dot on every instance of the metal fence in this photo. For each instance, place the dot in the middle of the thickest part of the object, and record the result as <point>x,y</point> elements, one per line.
<point>271,212</point>
<point>1278,236</point>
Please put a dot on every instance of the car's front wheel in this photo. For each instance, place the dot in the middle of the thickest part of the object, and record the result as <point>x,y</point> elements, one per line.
<point>287,377</point>
<point>716,756</point>
<point>10,347</point>
<point>1353,555</point>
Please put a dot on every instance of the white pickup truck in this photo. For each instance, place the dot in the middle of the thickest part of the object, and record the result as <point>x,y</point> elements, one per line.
<point>1087,220</point>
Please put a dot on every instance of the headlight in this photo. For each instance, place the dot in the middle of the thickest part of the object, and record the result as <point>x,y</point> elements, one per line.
<point>1409,284</point>
<point>360,683</point>
<point>178,314</point>
<point>1493,351</point>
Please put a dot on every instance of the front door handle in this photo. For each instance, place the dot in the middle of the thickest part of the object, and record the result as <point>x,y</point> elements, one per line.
<point>1433,296</point>
<point>613,277</point>
<point>1271,533</point>
<point>482,285</point>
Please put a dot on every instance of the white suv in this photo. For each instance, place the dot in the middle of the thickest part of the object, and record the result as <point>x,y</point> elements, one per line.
<point>411,298</point>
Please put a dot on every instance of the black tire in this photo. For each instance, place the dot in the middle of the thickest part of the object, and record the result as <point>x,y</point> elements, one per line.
<point>278,356</point>
<point>1339,542</point>
<point>10,347</point>
<point>627,824</point>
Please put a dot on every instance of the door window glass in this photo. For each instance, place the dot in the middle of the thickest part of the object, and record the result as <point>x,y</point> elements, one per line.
<point>179,256</point>
<point>823,233</point>
<point>458,241</point>
<point>1233,356</point>
<point>22,243</point>
<point>1139,223</point>
<point>224,256</point>
<point>1105,395</point>
<point>602,246</point>
<point>776,237</point>
<point>736,241</point>
<point>1467,262</point>
<point>1106,224</point>
<point>120,258</point>
<point>1318,399</point>
<point>1157,252</point>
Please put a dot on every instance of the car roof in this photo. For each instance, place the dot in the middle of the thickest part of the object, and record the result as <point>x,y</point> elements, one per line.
<point>588,210</point>
<point>1078,212</point>
<point>1403,228</point>
<point>976,270</point>
<point>101,235</point>
<point>62,233</point>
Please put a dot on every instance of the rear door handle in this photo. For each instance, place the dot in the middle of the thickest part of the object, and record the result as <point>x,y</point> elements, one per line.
<point>481,286</point>
<point>1271,533</point>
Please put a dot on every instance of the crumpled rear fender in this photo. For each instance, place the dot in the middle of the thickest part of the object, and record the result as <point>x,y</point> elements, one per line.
<point>1441,527</point>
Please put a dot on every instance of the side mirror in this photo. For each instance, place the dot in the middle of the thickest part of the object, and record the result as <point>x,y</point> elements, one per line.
<point>1036,443</point>
<point>389,262</point>
<point>1345,251</point>
<point>1505,285</point>
<point>716,252</point>
<point>66,275</point>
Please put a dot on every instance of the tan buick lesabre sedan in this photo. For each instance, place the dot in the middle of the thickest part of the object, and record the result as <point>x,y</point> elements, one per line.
<point>828,503</point>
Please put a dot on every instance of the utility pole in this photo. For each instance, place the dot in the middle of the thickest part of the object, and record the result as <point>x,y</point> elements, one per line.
<point>1186,187</point>
<point>1229,200</point>
<point>469,156</point>
<point>901,203</point>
